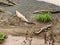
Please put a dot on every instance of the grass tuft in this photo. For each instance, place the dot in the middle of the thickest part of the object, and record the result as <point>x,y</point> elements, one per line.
<point>1,36</point>
<point>44,17</point>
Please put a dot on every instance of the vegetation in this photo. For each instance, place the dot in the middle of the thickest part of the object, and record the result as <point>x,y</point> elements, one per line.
<point>43,17</point>
<point>1,36</point>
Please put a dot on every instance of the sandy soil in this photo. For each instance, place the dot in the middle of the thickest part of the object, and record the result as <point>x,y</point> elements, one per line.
<point>14,40</point>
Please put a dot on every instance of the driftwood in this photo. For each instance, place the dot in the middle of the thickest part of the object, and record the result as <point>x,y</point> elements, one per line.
<point>5,3</point>
<point>9,1</point>
<point>43,29</point>
<point>45,11</point>
<point>41,11</point>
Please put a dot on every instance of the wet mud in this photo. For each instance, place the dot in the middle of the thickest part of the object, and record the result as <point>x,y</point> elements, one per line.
<point>21,33</point>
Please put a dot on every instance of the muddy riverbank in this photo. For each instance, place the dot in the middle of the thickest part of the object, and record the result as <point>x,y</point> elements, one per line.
<point>16,29</point>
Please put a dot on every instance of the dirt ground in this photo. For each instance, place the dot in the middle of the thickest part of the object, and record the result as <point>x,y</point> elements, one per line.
<point>17,31</point>
<point>21,33</point>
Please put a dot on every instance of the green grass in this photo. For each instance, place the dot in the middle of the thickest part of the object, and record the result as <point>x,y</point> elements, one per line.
<point>44,17</point>
<point>1,36</point>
